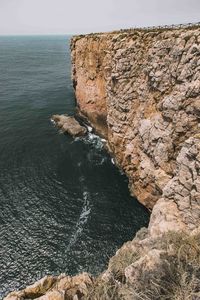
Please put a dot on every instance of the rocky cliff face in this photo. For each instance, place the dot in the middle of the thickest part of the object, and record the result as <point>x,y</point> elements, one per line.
<point>141,90</point>
<point>88,69</point>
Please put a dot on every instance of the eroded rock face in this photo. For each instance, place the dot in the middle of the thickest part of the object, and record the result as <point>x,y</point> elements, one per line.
<point>148,83</point>
<point>69,125</point>
<point>88,73</point>
<point>179,206</point>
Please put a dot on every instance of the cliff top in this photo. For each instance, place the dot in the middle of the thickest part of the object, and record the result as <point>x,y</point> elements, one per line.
<point>142,29</point>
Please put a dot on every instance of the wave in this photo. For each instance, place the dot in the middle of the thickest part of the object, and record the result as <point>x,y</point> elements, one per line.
<point>93,140</point>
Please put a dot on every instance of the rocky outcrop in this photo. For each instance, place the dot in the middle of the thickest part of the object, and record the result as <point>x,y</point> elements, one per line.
<point>55,288</point>
<point>69,125</point>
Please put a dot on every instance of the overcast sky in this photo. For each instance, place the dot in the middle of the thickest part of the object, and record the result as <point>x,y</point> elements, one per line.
<point>82,16</point>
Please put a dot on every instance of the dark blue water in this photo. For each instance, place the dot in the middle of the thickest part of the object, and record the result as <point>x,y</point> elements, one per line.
<point>64,207</point>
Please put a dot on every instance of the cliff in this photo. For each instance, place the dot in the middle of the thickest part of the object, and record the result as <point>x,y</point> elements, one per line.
<point>140,89</point>
<point>146,85</point>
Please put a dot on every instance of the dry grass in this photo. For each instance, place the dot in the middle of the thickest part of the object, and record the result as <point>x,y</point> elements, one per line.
<point>176,278</point>
<point>102,290</point>
<point>118,263</point>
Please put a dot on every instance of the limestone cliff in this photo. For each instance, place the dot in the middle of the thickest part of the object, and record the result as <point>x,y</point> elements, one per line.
<point>141,90</point>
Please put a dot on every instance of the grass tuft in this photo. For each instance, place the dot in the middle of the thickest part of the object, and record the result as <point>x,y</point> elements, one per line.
<point>177,277</point>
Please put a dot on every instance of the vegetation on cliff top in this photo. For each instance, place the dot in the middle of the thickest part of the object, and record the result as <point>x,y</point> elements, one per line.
<point>147,29</point>
<point>177,277</point>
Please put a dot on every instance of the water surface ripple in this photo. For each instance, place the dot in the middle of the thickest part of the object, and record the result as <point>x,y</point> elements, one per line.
<point>64,207</point>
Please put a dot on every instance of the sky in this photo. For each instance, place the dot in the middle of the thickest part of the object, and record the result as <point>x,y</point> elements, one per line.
<point>85,16</point>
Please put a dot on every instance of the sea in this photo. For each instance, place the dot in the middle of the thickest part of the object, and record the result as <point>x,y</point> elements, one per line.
<point>64,206</point>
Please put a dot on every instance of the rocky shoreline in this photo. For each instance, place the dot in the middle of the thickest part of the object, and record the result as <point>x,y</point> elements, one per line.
<point>140,90</point>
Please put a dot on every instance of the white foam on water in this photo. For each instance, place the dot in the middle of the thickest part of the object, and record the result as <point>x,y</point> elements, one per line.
<point>102,161</point>
<point>103,140</point>
<point>53,122</point>
<point>91,139</point>
<point>85,212</point>
<point>95,140</point>
<point>89,128</point>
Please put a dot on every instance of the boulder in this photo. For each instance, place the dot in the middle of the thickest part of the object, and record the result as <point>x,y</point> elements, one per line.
<point>69,125</point>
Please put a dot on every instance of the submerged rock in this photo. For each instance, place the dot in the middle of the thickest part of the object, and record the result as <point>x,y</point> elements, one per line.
<point>69,125</point>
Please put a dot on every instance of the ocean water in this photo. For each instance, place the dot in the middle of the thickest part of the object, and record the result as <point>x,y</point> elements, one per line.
<point>64,207</point>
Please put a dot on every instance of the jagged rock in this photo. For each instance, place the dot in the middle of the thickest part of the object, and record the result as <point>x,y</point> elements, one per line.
<point>69,125</point>
<point>147,263</point>
<point>35,290</point>
<point>179,207</point>
<point>40,287</point>
<point>55,288</point>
